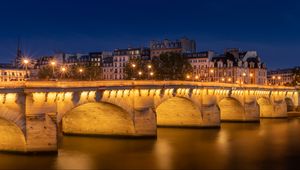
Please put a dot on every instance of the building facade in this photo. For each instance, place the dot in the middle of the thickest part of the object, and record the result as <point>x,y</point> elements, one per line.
<point>11,75</point>
<point>184,45</point>
<point>120,59</point>
<point>108,68</point>
<point>282,76</point>
<point>231,67</point>
<point>67,59</point>
<point>202,65</point>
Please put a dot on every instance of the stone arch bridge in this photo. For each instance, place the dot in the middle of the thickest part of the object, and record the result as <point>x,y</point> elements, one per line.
<point>32,113</point>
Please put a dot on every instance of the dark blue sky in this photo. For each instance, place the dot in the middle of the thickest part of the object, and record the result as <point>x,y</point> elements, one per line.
<point>270,27</point>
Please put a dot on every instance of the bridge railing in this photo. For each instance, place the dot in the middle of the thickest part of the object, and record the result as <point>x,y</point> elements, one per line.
<point>75,84</point>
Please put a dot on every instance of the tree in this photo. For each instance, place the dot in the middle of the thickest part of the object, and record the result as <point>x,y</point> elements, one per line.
<point>136,65</point>
<point>89,72</point>
<point>171,66</point>
<point>92,72</point>
<point>45,73</point>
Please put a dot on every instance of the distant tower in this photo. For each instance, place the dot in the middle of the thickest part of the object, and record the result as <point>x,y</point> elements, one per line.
<point>18,60</point>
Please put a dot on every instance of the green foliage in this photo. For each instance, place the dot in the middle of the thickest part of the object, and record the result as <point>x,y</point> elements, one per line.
<point>45,73</point>
<point>140,66</point>
<point>171,66</point>
<point>92,72</point>
<point>89,72</point>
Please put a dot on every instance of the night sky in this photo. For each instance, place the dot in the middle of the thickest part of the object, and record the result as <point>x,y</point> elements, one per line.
<point>270,27</point>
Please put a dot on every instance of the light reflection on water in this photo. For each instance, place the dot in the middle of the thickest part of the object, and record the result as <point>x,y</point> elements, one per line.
<point>270,144</point>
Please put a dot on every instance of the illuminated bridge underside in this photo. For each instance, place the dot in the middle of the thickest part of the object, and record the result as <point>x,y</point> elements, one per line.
<point>98,118</point>
<point>178,112</point>
<point>12,138</point>
<point>31,113</point>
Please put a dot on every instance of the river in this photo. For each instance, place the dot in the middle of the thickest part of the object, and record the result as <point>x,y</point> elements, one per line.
<point>271,144</point>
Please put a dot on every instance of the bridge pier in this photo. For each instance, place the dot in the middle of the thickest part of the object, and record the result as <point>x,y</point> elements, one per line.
<point>41,125</point>
<point>145,123</point>
<point>41,133</point>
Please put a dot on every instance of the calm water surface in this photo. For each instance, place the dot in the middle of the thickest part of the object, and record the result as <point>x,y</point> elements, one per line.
<point>270,144</point>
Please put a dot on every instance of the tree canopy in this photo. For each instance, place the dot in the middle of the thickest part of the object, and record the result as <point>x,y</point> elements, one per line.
<point>89,72</point>
<point>171,66</point>
<point>167,66</point>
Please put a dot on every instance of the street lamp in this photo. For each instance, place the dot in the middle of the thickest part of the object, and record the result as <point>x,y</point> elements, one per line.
<point>197,78</point>
<point>80,71</point>
<point>188,77</point>
<point>149,66</point>
<point>63,71</point>
<point>53,64</point>
<point>140,74</point>
<point>273,78</point>
<point>229,79</point>
<point>133,66</point>
<point>244,75</point>
<point>251,77</point>
<point>211,71</point>
<point>26,62</point>
<point>151,74</point>
<point>279,80</point>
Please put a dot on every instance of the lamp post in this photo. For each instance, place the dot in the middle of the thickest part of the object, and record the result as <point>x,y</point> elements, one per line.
<point>149,66</point>
<point>133,66</point>
<point>26,62</point>
<point>244,76</point>
<point>81,71</point>
<point>211,72</point>
<point>196,78</point>
<point>140,74</point>
<point>273,78</point>
<point>188,76</point>
<point>229,80</point>
<point>279,80</point>
<point>251,78</point>
<point>151,74</point>
<point>53,64</point>
<point>63,71</point>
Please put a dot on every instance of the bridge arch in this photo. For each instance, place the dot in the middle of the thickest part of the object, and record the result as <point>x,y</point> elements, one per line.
<point>12,137</point>
<point>266,108</point>
<point>13,116</point>
<point>231,109</point>
<point>178,111</point>
<point>98,118</point>
<point>290,104</point>
<point>272,108</point>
